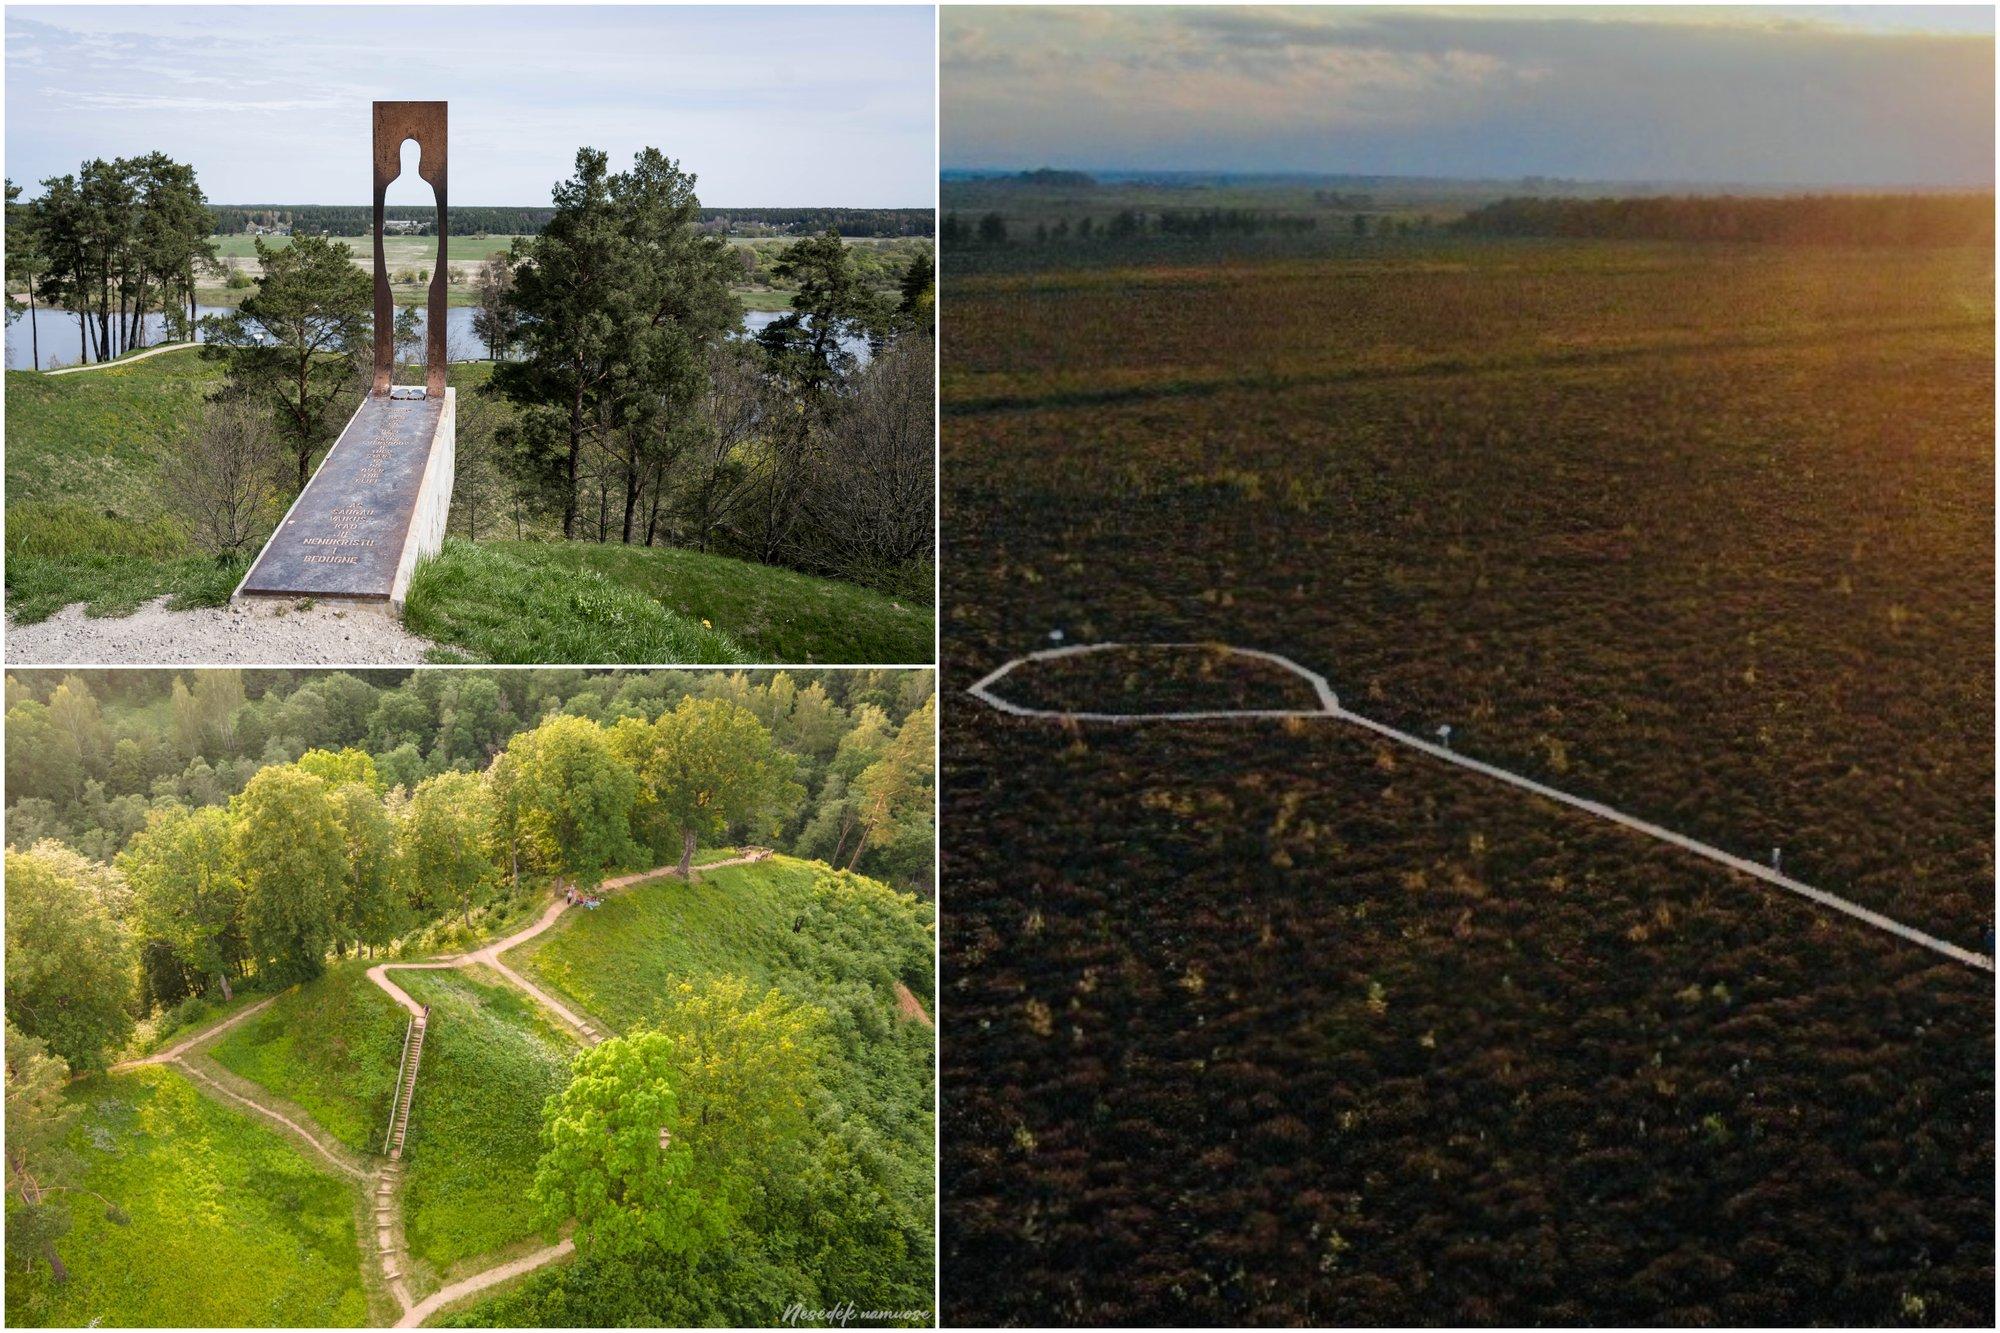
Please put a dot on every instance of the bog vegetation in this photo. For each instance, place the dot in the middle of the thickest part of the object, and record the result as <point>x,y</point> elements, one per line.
<point>179,849</point>
<point>1703,531</point>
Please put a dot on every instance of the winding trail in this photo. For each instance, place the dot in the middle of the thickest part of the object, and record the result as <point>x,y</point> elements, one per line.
<point>414,1316</point>
<point>1329,708</point>
<point>201,1038</point>
<point>121,361</point>
<point>384,1200</point>
<point>910,1007</point>
<point>311,1136</point>
<point>391,1253</point>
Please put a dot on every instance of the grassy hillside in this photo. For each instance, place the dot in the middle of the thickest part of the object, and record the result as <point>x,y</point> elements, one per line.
<point>512,601</point>
<point>330,1045</point>
<point>99,438</point>
<point>766,922</point>
<point>84,515</point>
<point>224,1221</point>
<point>490,1061</point>
<point>86,522</point>
<point>838,948</point>
<point>745,920</point>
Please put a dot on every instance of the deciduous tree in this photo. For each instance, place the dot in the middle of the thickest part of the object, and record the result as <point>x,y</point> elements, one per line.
<point>446,838</point>
<point>566,799</point>
<point>287,838</point>
<point>373,907</point>
<point>664,1138</point>
<point>69,961</point>
<point>702,767</point>
<point>186,891</point>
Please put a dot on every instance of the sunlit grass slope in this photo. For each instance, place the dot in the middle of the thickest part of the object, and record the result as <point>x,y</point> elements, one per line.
<point>223,1221</point>
<point>490,1061</point>
<point>513,601</point>
<point>331,1046</point>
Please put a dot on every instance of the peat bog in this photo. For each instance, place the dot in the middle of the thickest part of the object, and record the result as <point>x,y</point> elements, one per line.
<point>1276,1022</point>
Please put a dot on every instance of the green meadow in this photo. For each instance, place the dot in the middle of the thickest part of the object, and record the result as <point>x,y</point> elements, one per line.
<point>490,1060</point>
<point>331,1046</point>
<point>220,1221</point>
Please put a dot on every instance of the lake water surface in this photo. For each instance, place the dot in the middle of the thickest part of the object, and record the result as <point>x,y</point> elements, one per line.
<point>62,343</point>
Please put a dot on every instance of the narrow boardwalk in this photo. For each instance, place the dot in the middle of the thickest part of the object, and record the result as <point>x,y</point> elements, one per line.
<point>985,690</point>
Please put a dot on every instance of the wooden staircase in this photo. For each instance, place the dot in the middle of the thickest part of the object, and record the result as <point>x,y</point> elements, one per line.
<point>406,1086</point>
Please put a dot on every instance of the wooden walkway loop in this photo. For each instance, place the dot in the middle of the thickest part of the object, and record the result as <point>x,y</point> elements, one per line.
<point>1329,708</point>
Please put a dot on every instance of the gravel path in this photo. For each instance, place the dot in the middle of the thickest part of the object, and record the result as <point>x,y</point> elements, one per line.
<point>122,361</point>
<point>215,636</point>
<point>201,1038</point>
<point>414,1317</point>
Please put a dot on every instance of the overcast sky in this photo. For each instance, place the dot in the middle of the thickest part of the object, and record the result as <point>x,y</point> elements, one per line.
<point>1826,96</point>
<point>767,106</point>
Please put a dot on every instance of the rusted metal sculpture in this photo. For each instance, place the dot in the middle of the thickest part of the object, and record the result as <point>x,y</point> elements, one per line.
<point>424,122</point>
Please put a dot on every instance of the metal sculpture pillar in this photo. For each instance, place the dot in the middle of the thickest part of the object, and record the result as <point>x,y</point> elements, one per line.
<point>424,122</point>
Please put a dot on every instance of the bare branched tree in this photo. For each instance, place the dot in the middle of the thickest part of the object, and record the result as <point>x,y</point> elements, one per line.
<point>229,477</point>
<point>721,470</point>
<point>869,502</point>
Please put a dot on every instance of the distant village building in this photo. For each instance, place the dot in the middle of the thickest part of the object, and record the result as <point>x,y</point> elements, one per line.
<point>401,227</point>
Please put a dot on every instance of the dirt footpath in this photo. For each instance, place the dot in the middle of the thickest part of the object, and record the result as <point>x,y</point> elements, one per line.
<point>321,636</point>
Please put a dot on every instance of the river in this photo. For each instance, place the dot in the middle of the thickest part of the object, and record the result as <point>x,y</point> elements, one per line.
<point>61,343</point>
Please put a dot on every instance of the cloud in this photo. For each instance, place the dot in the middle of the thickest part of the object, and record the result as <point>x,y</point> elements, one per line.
<point>1736,95</point>
<point>772,106</point>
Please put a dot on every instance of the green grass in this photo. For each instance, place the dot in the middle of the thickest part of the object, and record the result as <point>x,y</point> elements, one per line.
<point>618,958</point>
<point>490,1060</point>
<point>185,1019</point>
<point>112,585</point>
<point>765,298</point>
<point>397,251</point>
<point>228,1223</point>
<point>331,1046</point>
<point>619,961</point>
<point>100,437</point>
<point>516,601</point>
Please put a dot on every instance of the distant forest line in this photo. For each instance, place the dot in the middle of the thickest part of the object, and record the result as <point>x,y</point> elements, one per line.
<point>356,219</point>
<point>1874,219</point>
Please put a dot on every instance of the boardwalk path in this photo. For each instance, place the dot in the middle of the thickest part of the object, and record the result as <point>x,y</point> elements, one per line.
<point>1329,708</point>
